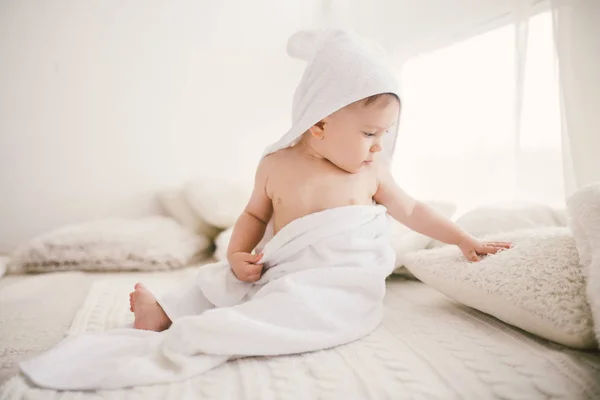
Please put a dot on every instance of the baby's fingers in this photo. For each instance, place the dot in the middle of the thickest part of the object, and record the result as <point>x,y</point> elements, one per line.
<point>252,272</point>
<point>248,257</point>
<point>489,248</point>
<point>472,256</point>
<point>252,269</point>
<point>503,245</point>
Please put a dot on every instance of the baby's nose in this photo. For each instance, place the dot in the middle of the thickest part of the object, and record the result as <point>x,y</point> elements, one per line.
<point>376,148</point>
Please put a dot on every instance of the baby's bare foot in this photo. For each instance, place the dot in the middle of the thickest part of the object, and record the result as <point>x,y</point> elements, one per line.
<point>149,315</point>
<point>131,302</point>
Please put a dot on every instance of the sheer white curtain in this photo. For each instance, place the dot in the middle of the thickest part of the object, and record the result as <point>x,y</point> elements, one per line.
<point>577,38</point>
<point>481,119</point>
<point>503,107</point>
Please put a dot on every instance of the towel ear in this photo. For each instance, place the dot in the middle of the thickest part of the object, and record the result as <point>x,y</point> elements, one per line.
<point>303,44</point>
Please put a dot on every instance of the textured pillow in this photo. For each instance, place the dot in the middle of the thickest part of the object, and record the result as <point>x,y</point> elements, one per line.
<point>405,240</point>
<point>508,217</point>
<point>537,285</point>
<point>584,212</point>
<point>217,201</point>
<point>177,206</point>
<point>153,243</point>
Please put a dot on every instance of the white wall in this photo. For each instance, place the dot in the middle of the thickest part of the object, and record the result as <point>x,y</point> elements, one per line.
<point>103,103</point>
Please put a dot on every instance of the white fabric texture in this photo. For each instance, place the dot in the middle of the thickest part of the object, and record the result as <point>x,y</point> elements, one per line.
<point>323,287</point>
<point>537,285</point>
<point>151,243</point>
<point>584,212</point>
<point>508,217</point>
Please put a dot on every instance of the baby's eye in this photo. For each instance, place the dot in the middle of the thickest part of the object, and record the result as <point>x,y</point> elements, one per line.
<point>367,134</point>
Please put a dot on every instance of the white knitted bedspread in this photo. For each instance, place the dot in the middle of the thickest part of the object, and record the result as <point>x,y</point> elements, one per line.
<point>427,348</point>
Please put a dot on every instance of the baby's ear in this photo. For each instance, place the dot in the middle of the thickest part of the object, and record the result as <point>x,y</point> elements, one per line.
<point>318,130</point>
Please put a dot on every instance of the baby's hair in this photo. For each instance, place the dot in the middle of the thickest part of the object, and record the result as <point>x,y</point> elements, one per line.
<point>367,101</point>
<point>373,99</point>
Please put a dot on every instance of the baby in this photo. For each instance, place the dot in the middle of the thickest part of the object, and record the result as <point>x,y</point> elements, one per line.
<point>335,162</point>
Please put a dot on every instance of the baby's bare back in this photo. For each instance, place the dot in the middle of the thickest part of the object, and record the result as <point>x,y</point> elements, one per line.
<point>299,185</point>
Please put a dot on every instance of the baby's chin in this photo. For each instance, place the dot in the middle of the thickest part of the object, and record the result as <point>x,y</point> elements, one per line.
<point>351,167</point>
<point>355,169</point>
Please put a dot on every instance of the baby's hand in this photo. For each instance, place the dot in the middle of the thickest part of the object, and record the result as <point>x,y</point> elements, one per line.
<point>472,248</point>
<point>245,267</point>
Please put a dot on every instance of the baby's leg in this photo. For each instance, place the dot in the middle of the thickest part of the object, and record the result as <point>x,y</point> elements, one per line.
<point>157,314</point>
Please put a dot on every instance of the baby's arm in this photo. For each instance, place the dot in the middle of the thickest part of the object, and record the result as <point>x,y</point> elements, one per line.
<point>250,228</point>
<point>423,219</point>
<point>414,214</point>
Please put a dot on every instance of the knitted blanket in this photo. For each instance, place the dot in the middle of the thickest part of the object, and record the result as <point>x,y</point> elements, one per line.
<point>427,347</point>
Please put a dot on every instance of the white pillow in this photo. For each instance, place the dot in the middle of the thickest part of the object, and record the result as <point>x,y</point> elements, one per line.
<point>584,210</point>
<point>152,243</point>
<point>508,217</point>
<point>217,201</point>
<point>405,240</point>
<point>177,206</point>
<point>537,285</point>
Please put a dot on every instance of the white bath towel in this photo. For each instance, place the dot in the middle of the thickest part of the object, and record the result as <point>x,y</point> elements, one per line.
<point>323,287</point>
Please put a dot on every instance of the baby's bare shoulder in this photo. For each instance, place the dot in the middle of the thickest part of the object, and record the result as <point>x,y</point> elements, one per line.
<point>276,160</point>
<point>272,164</point>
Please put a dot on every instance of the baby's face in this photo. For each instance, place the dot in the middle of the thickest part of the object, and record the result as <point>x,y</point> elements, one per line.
<point>353,136</point>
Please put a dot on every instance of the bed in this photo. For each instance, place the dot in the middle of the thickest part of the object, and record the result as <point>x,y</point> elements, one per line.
<point>427,347</point>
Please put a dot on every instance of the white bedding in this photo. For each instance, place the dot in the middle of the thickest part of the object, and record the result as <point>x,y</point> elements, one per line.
<point>35,312</point>
<point>427,347</point>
